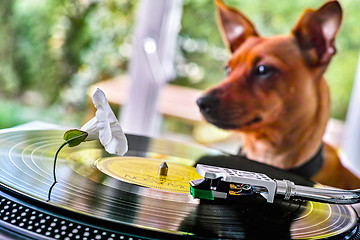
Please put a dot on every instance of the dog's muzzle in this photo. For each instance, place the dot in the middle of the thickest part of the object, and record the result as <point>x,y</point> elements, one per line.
<point>211,108</point>
<point>208,105</point>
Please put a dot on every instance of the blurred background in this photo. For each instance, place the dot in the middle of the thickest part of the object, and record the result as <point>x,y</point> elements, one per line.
<point>51,52</point>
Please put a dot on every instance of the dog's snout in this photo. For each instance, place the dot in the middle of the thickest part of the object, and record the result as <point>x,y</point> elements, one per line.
<point>207,103</point>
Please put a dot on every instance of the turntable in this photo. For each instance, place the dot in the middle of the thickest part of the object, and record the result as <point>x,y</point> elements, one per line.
<point>102,196</point>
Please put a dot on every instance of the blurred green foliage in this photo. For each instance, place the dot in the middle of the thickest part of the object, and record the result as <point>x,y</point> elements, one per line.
<point>51,51</point>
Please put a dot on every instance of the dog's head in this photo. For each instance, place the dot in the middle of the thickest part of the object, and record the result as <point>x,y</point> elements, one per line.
<point>270,77</point>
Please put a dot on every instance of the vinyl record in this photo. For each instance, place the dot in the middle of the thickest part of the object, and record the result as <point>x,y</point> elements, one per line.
<point>102,196</point>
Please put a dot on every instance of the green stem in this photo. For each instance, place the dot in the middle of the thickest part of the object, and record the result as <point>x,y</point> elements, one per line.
<point>50,190</point>
<point>55,158</point>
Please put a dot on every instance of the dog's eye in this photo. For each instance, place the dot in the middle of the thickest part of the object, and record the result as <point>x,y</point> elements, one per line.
<point>227,70</point>
<point>263,71</point>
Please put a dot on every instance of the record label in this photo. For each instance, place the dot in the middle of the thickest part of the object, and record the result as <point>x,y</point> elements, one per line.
<point>145,172</point>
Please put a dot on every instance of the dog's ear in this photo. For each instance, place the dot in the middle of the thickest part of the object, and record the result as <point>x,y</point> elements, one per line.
<point>316,31</point>
<point>235,27</point>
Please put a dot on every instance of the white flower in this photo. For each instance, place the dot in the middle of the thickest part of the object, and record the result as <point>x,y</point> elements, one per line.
<point>105,126</point>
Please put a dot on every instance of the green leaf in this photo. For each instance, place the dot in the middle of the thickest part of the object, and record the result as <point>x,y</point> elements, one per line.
<point>74,137</point>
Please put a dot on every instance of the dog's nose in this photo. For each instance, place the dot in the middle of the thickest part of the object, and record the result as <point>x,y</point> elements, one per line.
<point>207,103</point>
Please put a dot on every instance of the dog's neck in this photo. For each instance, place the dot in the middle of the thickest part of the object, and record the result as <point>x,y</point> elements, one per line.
<point>290,145</point>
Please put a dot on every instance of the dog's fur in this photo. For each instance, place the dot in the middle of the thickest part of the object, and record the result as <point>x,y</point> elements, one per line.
<point>275,94</point>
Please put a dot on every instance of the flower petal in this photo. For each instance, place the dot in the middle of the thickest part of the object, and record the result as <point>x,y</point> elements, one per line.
<point>117,146</point>
<point>104,111</point>
<point>91,127</point>
<point>105,133</point>
<point>105,126</point>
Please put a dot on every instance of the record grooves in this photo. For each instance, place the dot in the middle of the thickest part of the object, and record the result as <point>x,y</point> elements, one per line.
<point>35,219</point>
<point>129,201</point>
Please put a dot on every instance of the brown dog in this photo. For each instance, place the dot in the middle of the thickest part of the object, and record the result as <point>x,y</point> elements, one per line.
<point>275,94</point>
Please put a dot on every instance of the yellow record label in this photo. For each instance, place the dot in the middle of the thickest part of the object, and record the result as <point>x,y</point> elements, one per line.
<point>145,172</point>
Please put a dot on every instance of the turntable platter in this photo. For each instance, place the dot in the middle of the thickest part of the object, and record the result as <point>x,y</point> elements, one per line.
<point>127,195</point>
